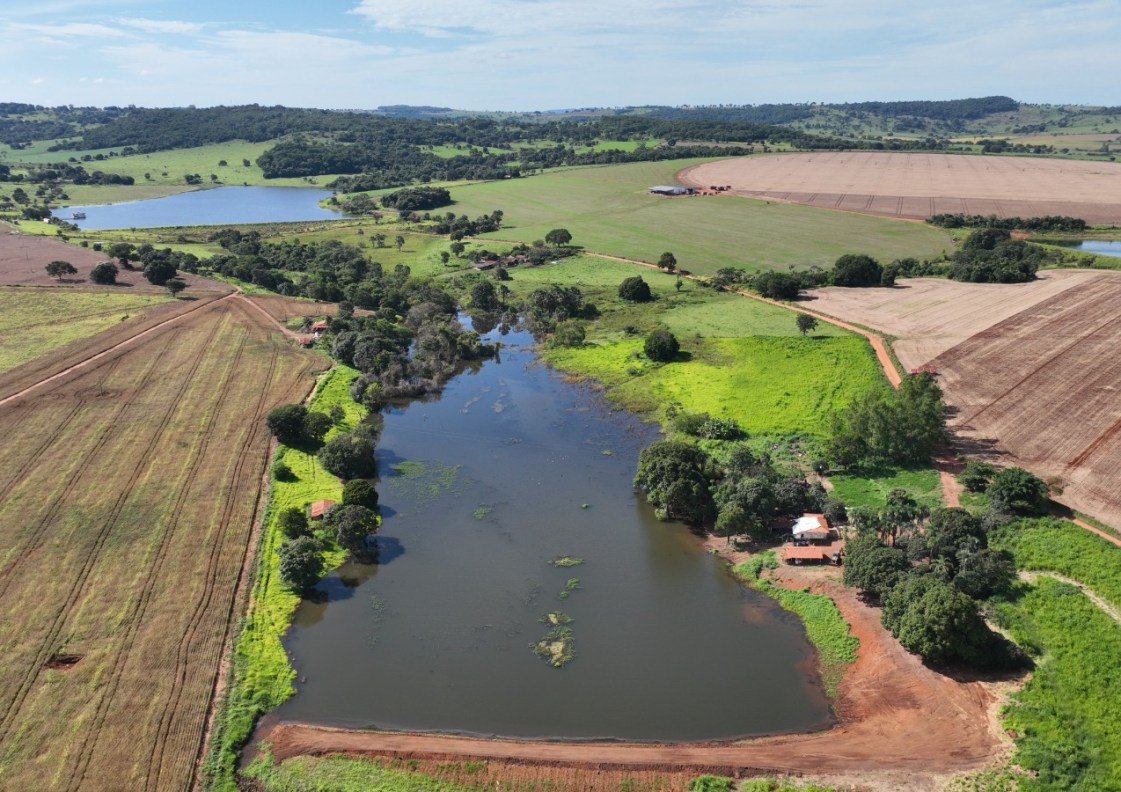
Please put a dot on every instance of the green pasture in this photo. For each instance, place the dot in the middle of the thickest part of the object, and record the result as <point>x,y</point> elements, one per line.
<point>1065,717</point>
<point>692,311</point>
<point>42,320</point>
<point>769,385</point>
<point>608,210</point>
<point>871,488</point>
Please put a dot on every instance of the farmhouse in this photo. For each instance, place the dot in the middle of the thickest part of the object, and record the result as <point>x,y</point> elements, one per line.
<point>319,508</point>
<point>671,189</point>
<point>811,528</point>
<point>814,542</point>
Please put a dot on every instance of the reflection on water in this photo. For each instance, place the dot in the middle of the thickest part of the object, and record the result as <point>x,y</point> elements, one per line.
<point>511,469</point>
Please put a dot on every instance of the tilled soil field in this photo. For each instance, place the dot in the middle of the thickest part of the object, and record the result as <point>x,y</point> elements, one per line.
<point>1043,387</point>
<point>127,496</point>
<point>928,316</point>
<point>916,186</point>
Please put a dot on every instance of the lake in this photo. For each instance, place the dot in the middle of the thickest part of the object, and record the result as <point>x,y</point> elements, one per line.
<point>511,468</point>
<point>1102,247</point>
<point>218,206</point>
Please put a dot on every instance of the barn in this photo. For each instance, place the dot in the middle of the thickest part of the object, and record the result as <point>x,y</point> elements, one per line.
<point>671,189</point>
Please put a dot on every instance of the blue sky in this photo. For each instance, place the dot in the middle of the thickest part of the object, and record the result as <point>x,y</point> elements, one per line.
<point>543,54</point>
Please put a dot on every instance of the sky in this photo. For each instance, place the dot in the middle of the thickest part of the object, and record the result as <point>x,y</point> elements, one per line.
<point>552,54</point>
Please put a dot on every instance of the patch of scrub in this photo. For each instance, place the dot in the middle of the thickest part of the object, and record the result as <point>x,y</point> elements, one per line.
<point>556,645</point>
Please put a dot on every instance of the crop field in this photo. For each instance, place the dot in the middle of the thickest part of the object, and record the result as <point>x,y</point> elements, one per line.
<point>928,316</point>
<point>42,320</point>
<point>127,501</point>
<point>1042,388</point>
<point>916,186</point>
<point>767,385</point>
<point>608,210</point>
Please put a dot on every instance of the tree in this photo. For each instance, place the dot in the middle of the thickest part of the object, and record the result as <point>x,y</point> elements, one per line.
<point>287,422</point>
<point>484,297</point>
<point>900,427</point>
<point>558,236</point>
<point>399,241</point>
<point>744,506</point>
<point>159,271</point>
<point>873,567</point>
<point>349,456</point>
<point>301,564</point>
<point>104,273</point>
<point>569,333</point>
<point>900,514</point>
<point>661,346</point>
<point>1018,491</point>
<point>675,478</point>
<point>360,492</point>
<point>353,525</point>
<point>316,425</point>
<point>57,269</point>
<point>123,252</point>
<point>293,522</point>
<point>667,261</point>
<point>635,289</point>
<point>856,269</point>
<point>444,256</point>
<point>942,625</point>
<point>457,248</point>
<point>976,475</point>
<point>806,323</point>
<point>776,285</point>
<point>174,286</point>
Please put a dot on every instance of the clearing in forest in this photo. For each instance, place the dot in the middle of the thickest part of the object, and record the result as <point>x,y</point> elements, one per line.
<point>127,501</point>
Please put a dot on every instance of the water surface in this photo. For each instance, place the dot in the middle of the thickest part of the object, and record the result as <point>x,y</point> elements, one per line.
<point>510,469</point>
<point>218,206</point>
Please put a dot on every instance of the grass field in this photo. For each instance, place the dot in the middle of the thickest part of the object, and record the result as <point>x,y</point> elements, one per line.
<point>608,210</point>
<point>871,489</point>
<point>1064,718</point>
<point>769,385</point>
<point>42,320</point>
<point>126,506</point>
<point>692,311</point>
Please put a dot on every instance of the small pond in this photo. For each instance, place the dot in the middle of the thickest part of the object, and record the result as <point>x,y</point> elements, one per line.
<point>218,206</point>
<point>1102,247</point>
<point>511,468</point>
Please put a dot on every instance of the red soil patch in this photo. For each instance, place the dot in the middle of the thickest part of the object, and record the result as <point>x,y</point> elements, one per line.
<point>916,186</point>
<point>24,258</point>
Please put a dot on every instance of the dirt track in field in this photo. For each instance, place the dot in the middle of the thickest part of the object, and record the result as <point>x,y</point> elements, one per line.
<point>916,186</point>
<point>125,513</point>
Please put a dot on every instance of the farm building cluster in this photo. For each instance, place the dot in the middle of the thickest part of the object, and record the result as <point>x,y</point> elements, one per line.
<point>813,541</point>
<point>672,190</point>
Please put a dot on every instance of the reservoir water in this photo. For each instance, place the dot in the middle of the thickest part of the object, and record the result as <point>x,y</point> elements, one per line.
<point>1102,247</point>
<point>482,488</point>
<point>218,206</point>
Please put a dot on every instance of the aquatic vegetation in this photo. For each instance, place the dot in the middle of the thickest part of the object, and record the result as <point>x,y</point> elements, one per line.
<point>567,561</point>
<point>555,647</point>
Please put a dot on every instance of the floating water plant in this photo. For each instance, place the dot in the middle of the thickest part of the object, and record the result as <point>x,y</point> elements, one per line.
<point>556,646</point>
<point>567,561</point>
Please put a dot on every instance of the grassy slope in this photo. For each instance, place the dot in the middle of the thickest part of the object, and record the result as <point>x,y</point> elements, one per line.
<point>608,210</point>
<point>768,385</point>
<point>1065,717</point>
<point>262,675</point>
<point>41,320</point>
<point>872,488</point>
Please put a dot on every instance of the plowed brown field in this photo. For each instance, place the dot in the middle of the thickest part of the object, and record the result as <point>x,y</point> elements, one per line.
<point>127,495</point>
<point>916,186</point>
<point>1043,387</point>
<point>928,316</point>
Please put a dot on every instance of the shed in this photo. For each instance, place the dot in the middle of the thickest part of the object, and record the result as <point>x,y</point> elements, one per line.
<point>319,327</point>
<point>811,527</point>
<point>670,189</point>
<point>319,508</point>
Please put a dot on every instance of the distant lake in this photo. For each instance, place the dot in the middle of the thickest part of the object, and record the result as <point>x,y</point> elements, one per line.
<point>1102,247</point>
<point>219,206</point>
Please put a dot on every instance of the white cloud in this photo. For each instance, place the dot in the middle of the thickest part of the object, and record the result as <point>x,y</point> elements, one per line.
<point>161,25</point>
<point>68,30</point>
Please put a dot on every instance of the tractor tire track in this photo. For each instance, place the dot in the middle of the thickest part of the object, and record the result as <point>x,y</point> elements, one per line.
<point>79,584</point>
<point>155,564</point>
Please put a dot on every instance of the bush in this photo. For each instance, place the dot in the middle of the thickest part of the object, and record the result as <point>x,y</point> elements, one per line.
<point>349,456</point>
<point>1018,491</point>
<point>316,425</point>
<point>690,423</point>
<point>287,422</point>
<point>293,522</point>
<point>976,475</point>
<point>301,563</point>
<point>569,333</point>
<point>104,273</point>
<point>282,472</point>
<point>857,270</point>
<point>661,346</point>
<point>360,492</point>
<point>635,289</point>
<point>776,285</point>
<point>719,429</point>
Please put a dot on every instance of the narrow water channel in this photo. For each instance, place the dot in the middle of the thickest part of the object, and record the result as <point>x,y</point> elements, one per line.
<point>481,489</point>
